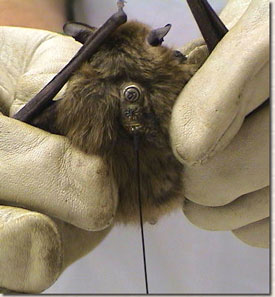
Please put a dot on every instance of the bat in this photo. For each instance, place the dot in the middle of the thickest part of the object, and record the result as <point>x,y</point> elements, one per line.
<point>126,87</point>
<point>129,85</point>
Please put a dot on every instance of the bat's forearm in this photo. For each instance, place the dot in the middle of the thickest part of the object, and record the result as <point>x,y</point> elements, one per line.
<point>47,119</point>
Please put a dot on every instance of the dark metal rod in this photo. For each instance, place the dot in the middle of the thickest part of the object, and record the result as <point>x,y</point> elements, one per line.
<point>43,99</point>
<point>211,26</point>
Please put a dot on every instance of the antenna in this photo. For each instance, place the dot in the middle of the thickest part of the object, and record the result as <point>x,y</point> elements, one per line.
<point>136,148</point>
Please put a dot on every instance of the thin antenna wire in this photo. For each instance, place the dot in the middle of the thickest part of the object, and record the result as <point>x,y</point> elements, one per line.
<point>136,147</point>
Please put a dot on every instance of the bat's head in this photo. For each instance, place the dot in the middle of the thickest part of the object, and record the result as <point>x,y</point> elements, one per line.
<point>129,86</point>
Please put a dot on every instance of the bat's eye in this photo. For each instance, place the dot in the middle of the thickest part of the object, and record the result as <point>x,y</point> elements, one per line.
<point>132,93</point>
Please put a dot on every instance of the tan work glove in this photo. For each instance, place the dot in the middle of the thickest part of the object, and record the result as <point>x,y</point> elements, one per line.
<point>226,156</point>
<point>42,172</point>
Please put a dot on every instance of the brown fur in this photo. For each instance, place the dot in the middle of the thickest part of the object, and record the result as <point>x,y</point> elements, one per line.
<point>89,115</point>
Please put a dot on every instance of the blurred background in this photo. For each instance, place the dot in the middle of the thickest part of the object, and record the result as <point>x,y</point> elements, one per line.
<point>181,259</point>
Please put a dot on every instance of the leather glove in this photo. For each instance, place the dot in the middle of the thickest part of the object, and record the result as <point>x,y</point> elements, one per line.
<point>43,173</point>
<point>219,133</point>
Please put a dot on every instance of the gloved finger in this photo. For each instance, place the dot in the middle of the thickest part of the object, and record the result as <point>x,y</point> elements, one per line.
<point>255,234</point>
<point>43,172</point>
<point>233,11</point>
<point>192,45</point>
<point>29,59</point>
<point>7,292</point>
<point>77,242</point>
<point>231,83</point>
<point>196,55</point>
<point>29,242</point>
<point>241,168</point>
<point>245,210</point>
<point>32,242</point>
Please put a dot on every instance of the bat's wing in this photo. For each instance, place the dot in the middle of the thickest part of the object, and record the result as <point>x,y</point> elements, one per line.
<point>47,119</point>
<point>44,98</point>
<point>211,26</point>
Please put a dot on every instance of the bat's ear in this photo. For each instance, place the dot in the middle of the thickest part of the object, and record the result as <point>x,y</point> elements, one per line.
<point>79,31</point>
<point>155,37</point>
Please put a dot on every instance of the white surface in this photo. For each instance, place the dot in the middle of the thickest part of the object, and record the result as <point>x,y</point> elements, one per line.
<point>155,13</point>
<point>180,257</point>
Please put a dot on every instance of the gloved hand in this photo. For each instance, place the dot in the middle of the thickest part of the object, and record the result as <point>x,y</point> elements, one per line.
<point>220,135</point>
<point>42,172</point>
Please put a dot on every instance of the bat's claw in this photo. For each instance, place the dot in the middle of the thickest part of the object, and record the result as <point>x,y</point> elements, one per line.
<point>211,26</point>
<point>121,3</point>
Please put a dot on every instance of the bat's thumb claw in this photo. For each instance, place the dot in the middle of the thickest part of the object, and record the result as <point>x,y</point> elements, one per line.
<point>121,4</point>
